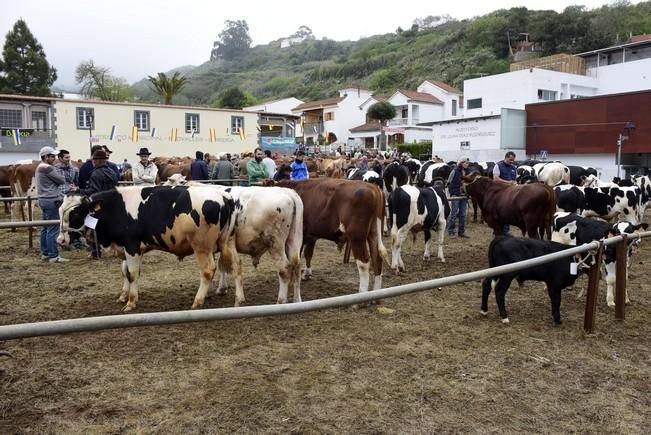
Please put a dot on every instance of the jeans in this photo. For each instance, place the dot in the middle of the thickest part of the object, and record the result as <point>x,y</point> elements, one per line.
<point>457,209</point>
<point>49,233</point>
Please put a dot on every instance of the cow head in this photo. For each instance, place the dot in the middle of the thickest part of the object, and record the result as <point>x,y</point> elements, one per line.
<point>525,175</point>
<point>175,180</point>
<point>629,229</point>
<point>73,212</point>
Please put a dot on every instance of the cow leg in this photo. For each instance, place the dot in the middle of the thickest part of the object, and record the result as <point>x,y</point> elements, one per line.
<point>233,265</point>
<point>376,258</point>
<point>441,237</point>
<point>284,273</point>
<point>486,286</point>
<point>134,262</point>
<point>223,277</point>
<point>555,297</point>
<point>503,284</point>
<point>428,240</point>
<point>308,251</point>
<point>611,275</point>
<point>125,283</point>
<point>398,237</point>
<point>362,257</point>
<point>207,268</point>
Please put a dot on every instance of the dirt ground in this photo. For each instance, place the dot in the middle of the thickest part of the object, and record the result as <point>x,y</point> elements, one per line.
<point>422,363</point>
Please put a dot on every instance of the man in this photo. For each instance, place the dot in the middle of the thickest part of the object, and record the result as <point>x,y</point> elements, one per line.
<point>457,208</point>
<point>145,171</point>
<point>269,163</point>
<point>199,168</point>
<point>69,172</point>
<point>109,163</point>
<point>86,169</point>
<point>102,178</point>
<point>299,168</point>
<point>505,172</point>
<point>255,168</point>
<point>125,165</point>
<point>223,170</point>
<point>48,180</point>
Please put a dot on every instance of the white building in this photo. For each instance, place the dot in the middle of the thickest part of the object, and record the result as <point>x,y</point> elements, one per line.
<point>284,105</point>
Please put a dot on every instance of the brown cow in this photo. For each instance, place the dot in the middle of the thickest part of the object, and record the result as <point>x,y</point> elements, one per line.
<point>530,207</point>
<point>5,181</point>
<point>23,183</point>
<point>344,211</point>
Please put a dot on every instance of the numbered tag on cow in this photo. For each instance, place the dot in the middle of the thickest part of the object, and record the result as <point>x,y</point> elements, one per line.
<point>574,267</point>
<point>90,222</point>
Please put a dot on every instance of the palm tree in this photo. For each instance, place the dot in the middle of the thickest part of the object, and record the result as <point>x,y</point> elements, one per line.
<point>382,111</point>
<point>168,87</point>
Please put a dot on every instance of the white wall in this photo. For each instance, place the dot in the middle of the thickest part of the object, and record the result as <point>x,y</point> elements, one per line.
<point>9,158</point>
<point>347,113</point>
<point>513,90</point>
<point>623,77</point>
<point>483,135</point>
<point>444,96</point>
<point>426,111</point>
<point>284,106</point>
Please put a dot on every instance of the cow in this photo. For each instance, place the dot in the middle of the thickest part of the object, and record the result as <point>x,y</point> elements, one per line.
<point>23,184</point>
<point>343,211</point>
<point>5,192</point>
<point>481,168</point>
<point>571,229</point>
<point>643,182</point>
<point>135,220</point>
<point>556,274</point>
<point>367,175</point>
<point>525,175</point>
<point>530,207</point>
<point>579,173</point>
<point>607,203</point>
<point>267,219</point>
<point>433,173</point>
<point>394,175</point>
<point>412,208</point>
<point>414,166</point>
<point>552,173</point>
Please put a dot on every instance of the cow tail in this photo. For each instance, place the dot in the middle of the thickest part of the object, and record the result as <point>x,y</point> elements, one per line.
<point>549,213</point>
<point>379,222</point>
<point>295,239</point>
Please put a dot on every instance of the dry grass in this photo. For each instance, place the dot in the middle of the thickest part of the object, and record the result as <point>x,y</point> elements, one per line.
<point>432,365</point>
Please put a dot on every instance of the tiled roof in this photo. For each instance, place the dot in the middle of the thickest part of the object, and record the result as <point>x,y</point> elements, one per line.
<point>420,96</point>
<point>369,126</point>
<point>318,104</point>
<point>445,86</point>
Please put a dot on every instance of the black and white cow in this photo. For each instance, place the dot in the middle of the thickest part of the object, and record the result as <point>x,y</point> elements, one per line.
<point>570,229</point>
<point>506,250</point>
<point>579,173</point>
<point>134,220</point>
<point>643,182</point>
<point>608,203</point>
<point>434,174</point>
<point>552,173</point>
<point>367,175</point>
<point>413,208</point>
<point>525,174</point>
<point>394,175</point>
<point>414,166</point>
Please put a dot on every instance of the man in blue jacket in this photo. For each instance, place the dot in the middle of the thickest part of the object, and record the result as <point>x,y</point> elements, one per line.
<point>505,172</point>
<point>299,168</point>
<point>199,168</point>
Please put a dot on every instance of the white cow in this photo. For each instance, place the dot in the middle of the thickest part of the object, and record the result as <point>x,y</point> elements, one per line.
<point>552,174</point>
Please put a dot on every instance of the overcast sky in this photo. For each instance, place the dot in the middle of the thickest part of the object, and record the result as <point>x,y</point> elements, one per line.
<point>136,38</point>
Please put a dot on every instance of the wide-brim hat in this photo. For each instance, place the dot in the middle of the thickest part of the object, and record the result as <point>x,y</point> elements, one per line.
<point>143,152</point>
<point>100,155</point>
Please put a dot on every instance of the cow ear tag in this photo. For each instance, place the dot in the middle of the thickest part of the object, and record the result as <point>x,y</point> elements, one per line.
<point>574,268</point>
<point>90,222</point>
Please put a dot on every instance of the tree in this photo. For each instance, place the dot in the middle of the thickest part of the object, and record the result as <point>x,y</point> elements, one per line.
<point>382,111</point>
<point>304,33</point>
<point>168,87</point>
<point>234,41</point>
<point>97,82</point>
<point>26,69</point>
<point>234,98</point>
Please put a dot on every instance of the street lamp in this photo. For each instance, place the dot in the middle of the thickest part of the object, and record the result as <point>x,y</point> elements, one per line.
<point>90,130</point>
<point>628,129</point>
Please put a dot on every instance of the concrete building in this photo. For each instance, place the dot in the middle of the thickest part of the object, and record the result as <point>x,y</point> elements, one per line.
<point>124,127</point>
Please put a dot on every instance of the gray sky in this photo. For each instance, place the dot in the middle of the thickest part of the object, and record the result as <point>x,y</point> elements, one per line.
<point>136,38</point>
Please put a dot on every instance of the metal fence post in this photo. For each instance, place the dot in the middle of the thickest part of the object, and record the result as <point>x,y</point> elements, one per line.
<point>620,282</point>
<point>593,289</point>
<point>30,230</point>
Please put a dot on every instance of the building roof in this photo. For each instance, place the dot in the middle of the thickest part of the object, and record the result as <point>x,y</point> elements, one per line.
<point>458,120</point>
<point>318,104</point>
<point>420,96</point>
<point>369,126</point>
<point>638,41</point>
<point>26,98</point>
<point>276,114</point>
<point>445,86</point>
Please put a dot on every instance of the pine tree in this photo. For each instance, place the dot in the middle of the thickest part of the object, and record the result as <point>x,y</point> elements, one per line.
<point>26,69</point>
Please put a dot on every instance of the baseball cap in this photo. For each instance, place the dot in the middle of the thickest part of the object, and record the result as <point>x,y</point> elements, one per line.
<point>46,151</point>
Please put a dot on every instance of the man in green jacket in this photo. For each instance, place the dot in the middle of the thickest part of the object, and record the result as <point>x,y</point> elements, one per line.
<point>255,168</point>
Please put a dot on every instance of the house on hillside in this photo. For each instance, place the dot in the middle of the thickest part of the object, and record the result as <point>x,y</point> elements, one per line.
<point>277,126</point>
<point>332,118</point>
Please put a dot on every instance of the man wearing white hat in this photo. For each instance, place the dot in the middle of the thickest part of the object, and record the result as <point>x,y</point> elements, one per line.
<point>50,197</point>
<point>144,172</point>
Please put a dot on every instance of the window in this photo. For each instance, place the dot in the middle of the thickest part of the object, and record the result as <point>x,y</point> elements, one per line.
<point>85,118</point>
<point>405,113</point>
<point>454,107</point>
<point>465,146</point>
<point>192,123</point>
<point>39,120</point>
<point>329,116</point>
<point>475,103</point>
<point>237,122</point>
<point>10,118</point>
<point>141,120</point>
<point>546,95</point>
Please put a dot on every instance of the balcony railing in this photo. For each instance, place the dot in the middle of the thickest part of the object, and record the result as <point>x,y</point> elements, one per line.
<point>403,121</point>
<point>313,128</point>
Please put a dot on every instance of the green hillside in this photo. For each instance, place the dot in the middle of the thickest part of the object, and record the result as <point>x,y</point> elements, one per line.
<point>451,52</point>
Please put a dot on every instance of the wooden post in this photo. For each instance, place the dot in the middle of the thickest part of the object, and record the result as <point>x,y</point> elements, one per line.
<point>621,255</point>
<point>347,249</point>
<point>30,230</point>
<point>593,287</point>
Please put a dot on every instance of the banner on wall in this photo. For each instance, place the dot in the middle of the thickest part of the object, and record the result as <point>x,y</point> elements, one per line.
<point>278,142</point>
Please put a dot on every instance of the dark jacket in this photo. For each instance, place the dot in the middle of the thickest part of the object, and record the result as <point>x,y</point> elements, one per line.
<point>199,170</point>
<point>102,178</point>
<point>454,186</point>
<point>87,169</point>
<point>507,172</point>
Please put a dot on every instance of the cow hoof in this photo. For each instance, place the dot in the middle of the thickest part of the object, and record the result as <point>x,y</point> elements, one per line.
<point>425,257</point>
<point>239,303</point>
<point>281,301</point>
<point>196,305</point>
<point>442,260</point>
<point>505,321</point>
<point>220,291</point>
<point>128,308</point>
<point>121,300</point>
<point>611,304</point>
<point>483,313</point>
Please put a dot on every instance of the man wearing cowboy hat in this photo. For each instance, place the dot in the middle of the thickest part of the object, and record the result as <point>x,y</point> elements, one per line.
<point>144,172</point>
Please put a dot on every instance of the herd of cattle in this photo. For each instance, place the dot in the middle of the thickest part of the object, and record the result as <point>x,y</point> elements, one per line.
<point>286,219</point>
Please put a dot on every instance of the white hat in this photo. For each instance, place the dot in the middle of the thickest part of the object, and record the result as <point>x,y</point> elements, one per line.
<point>45,151</point>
